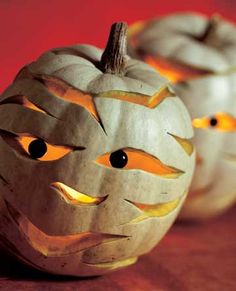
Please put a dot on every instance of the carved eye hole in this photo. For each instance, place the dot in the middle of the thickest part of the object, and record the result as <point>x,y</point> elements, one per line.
<point>220,121</point>
<point>38,149</point>
<point>130,159</point>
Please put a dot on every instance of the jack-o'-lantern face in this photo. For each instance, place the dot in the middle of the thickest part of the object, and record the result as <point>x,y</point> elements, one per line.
<point>94,166</point>
<point>214,121</point>
<point>200,62</point>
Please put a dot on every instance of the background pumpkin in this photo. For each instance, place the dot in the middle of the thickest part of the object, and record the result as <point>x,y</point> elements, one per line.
<point>198,55</point>
<point>117,166</point>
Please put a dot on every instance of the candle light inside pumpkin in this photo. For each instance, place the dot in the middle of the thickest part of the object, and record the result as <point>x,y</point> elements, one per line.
<point>173,71</point>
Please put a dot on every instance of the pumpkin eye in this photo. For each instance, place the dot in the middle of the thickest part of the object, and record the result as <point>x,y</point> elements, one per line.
<point>220,121</point>
<point>213,121</point>
<point>40,150</point>
<point>37,148</point>
<point>130,158</point>
<point>118,159</point>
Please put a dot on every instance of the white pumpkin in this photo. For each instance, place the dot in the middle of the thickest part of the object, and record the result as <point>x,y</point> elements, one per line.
<point>198,55</point>
<point>95,159</point>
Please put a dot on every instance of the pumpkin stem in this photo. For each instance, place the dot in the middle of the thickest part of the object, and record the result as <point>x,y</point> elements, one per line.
<point>114,56</point>
<point>210,28</point>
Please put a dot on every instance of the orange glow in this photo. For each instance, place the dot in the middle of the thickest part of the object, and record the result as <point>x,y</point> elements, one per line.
<point>155,210</point>
<point>184,143</point>
<point>225,122</point>
<point>201,122</point>
<point>138,98</point>
<point>133,32</point>
<point>172,71</point>
<point>54,245</point>
<point>63,90</point>
<point>75,197</point>
<point>140,160</point>
<point>53,152</point>
<point>30,105</point>
<point>23,101</point>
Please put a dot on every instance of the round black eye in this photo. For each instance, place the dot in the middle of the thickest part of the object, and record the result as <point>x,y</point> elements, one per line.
<point>213,121</point>
<point>118,159</point>
<point>37,148</point>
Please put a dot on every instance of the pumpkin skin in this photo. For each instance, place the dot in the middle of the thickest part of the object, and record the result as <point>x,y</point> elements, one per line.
<point>200,59</point>
<point>71,212</point>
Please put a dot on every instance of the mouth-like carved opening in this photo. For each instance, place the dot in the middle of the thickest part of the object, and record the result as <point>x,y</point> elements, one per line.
<point>74,197</point>
<point>57,246</point>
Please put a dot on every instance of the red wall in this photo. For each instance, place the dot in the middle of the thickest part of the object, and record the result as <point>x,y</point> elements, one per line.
<point>29,27</point>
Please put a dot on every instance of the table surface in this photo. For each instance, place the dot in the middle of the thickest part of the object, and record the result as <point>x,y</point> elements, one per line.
<point>192,256</point>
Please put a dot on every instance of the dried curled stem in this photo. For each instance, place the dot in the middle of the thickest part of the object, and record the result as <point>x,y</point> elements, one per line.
<point>114,56</point>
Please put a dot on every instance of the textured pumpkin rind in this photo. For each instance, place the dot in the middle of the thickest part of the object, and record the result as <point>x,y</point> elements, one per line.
<point>216,175</point>
<point>125,124</point>
<point>174,37</point>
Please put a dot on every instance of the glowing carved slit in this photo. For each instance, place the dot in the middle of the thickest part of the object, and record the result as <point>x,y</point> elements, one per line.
<point>21,143</point>
<point>115,264</point>
<point>22,100</point>
<point>56,246</point>
<point>138,98</point>
<point>54,152</point>
<point>75,197</point>
<point>200,122</point>
<point>140,160</point>
<point>184,143</point>
<point>63,90</point>
<point>30,105</point>
<point>155,210</point>
<point>174,71</point>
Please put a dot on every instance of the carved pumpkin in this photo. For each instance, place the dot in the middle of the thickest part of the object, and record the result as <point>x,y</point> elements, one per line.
<point>198,55</point>
<point>95,159</point>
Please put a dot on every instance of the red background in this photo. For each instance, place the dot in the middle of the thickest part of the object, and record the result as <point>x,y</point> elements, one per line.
<point>29,27</point>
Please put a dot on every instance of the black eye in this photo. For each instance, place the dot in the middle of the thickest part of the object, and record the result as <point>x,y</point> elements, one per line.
<point>118,159</point>
<point>213,121</point>
<point>37,149</point>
